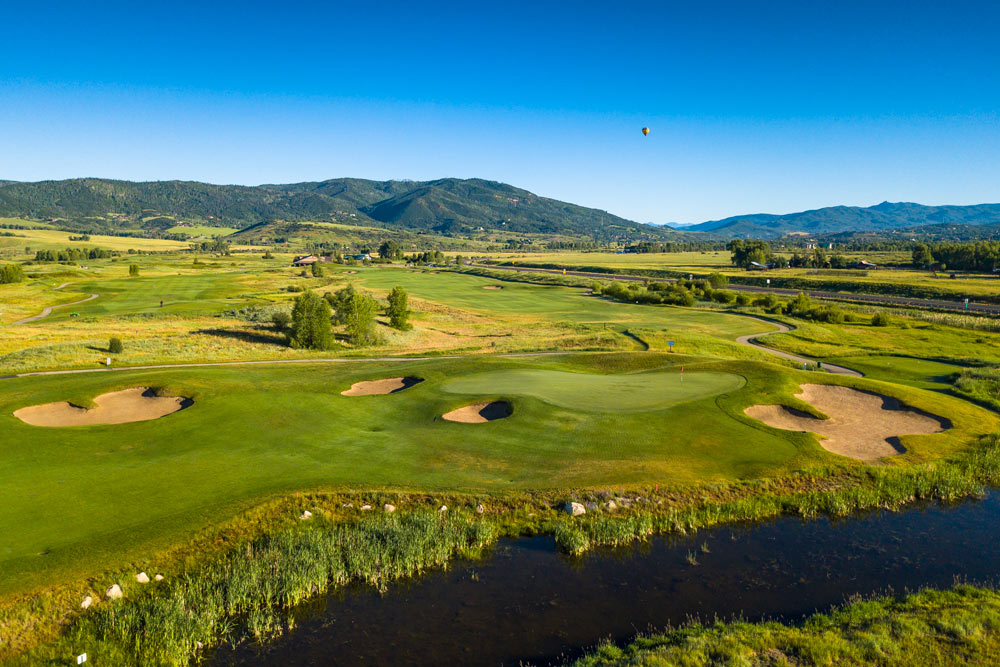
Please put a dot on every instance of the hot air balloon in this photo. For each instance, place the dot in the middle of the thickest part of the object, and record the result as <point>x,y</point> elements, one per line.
<point>645,131</point>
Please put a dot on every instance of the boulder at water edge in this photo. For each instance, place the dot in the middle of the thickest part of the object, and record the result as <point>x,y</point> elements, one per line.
<point>575,509</point>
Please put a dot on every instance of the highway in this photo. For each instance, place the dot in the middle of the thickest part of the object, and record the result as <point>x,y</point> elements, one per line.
<point>901,301</point>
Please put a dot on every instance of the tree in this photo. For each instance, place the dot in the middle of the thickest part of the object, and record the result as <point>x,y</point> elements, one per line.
<point>311,323</point>
<point>459,260</point>
<point>922,255</point>
<point>317,270</point>
<point>881,320</point>
<point>340,301</point>
<point>390,250</point>
<point>359,318</point>
<point>268,255</point>
<point>11,273</point>
<point>717,280</point>
<point>133,270</point>
<point>745,252</point>
<point>115,345</point>
<point>398,310</point>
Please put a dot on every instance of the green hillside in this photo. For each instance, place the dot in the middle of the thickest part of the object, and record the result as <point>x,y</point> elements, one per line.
<point>446,206</point>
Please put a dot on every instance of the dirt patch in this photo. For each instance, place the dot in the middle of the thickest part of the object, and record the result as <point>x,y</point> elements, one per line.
<point>378,387</point>
<point>492,286</point>
<point>480,413</point>
<point>861,425</point>
<point>118,407</point>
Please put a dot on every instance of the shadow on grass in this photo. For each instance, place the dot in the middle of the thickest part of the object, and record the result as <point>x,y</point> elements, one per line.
<point>257,336</point>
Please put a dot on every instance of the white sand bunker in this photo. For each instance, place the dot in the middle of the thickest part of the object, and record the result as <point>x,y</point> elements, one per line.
<point>119,407</point>
<point>480,413</point>
<point>378,387</point>
<point>861,425</point>
<point>492,286</point>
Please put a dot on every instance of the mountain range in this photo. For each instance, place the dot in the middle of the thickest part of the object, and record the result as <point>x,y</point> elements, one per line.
<point>448,206</point>
<point>444,206</point>
<point>839,219</point>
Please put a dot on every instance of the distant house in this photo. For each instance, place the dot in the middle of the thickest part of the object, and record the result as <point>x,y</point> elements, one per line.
<point>755,266</point>
<point>305,260</point>
<point>363,257</point>
<point>867,265</point>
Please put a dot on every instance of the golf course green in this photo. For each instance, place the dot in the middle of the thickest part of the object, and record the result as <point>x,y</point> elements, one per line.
<point>636,392</point>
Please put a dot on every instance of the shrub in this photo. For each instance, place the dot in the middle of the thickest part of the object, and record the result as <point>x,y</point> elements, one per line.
<point>743,299</point>
<point>281,320</point>
<point>133,270</point>
<point>11,273</point>
<point>317,270</point>
<point>717,280</point>
<point>398,310</point>
<point>881,320</point>
<point>115,345</point>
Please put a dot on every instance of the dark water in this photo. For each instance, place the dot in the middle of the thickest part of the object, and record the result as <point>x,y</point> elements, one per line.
<point>528,603</point>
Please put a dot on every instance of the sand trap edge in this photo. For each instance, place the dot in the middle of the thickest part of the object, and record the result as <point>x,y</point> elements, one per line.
<point>382,387</point>
<point>480,413</point>
<point>125,406</point>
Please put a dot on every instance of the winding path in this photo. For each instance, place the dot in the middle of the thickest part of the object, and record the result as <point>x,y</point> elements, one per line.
<point>749,339</point>
<point>48,309</point>
<point>742,340</point>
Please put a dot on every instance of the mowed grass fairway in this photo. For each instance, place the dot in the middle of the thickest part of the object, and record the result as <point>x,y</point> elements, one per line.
<point>76,499</point>
<point>634,392</point>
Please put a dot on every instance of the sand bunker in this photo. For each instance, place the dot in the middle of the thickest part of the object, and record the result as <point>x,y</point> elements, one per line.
<point>480,413</point>
<point>492,286</point>
<point>861,425</point>
<point>378,387</point>
<point>119,407</point>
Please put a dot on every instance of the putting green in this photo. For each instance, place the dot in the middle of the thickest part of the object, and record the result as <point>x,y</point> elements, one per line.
<point>633,392</point>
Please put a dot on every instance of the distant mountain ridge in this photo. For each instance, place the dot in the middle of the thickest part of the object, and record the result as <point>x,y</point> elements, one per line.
<point>447,205</point>
<point>838,219</point>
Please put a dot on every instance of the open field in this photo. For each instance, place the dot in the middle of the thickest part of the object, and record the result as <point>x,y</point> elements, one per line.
<point>50,239</point>
<point>201,231</point>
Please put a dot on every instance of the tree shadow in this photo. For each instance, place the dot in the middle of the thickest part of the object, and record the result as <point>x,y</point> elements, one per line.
<point>262,337</point>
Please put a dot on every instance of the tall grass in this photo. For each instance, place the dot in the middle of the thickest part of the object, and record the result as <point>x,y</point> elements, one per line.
<point>980,384</point>
<point>954,627</point>
<point>245,592</point>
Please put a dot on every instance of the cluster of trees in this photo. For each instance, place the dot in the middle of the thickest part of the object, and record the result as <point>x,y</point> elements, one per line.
<point>673,246</point>
<point>429,257</point>
<point>310,324</point>
<point>680,293</point>
<point>390,250</point>
<point>981,256</point>
<point>72,254</point>
<point>746,252</point>
<point>216,245</point>
<point>11,273</point>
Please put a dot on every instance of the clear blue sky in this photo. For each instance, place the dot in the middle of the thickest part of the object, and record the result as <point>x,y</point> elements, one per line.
<point>754,106</point>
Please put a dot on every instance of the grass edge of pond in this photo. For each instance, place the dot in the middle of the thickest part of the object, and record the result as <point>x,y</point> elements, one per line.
<point>204,599</point>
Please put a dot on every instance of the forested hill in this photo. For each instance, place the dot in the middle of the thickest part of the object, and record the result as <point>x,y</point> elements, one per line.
<point>447,205</point>
<point>836,219</point>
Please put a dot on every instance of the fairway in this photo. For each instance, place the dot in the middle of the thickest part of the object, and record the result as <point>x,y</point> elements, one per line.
<point>637,392</point>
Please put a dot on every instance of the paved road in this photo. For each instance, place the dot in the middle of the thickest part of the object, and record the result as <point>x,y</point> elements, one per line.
<point>48,309</point>
<point>934,304</point>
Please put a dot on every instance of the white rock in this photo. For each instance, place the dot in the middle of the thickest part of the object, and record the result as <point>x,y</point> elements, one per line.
<point>443,508</point>
<point>199,645</point>
<point>114,592</point>
<point>142,578</point>
<point>366,508</point>
<point>87,601</point>
<point>388,508</point>
<point>348,505</point>
<point>306,515</point>
<point>158,577</point>
<point>480,508</point>
<point>611,506</point>
<point>574,509</point>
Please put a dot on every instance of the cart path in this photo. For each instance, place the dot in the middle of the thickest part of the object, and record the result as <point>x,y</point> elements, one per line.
<point>743,340</point>
<point>48,309</point>
<point>749,341</point>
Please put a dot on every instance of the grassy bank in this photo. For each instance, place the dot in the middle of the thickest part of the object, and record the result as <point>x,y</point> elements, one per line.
<point>953,627</point>
<point>247,580</point>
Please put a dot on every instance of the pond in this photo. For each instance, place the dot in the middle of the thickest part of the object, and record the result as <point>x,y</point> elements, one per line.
<point>527,603</point>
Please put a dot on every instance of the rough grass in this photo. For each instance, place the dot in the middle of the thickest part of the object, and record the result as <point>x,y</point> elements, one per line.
<point>954,627</point>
